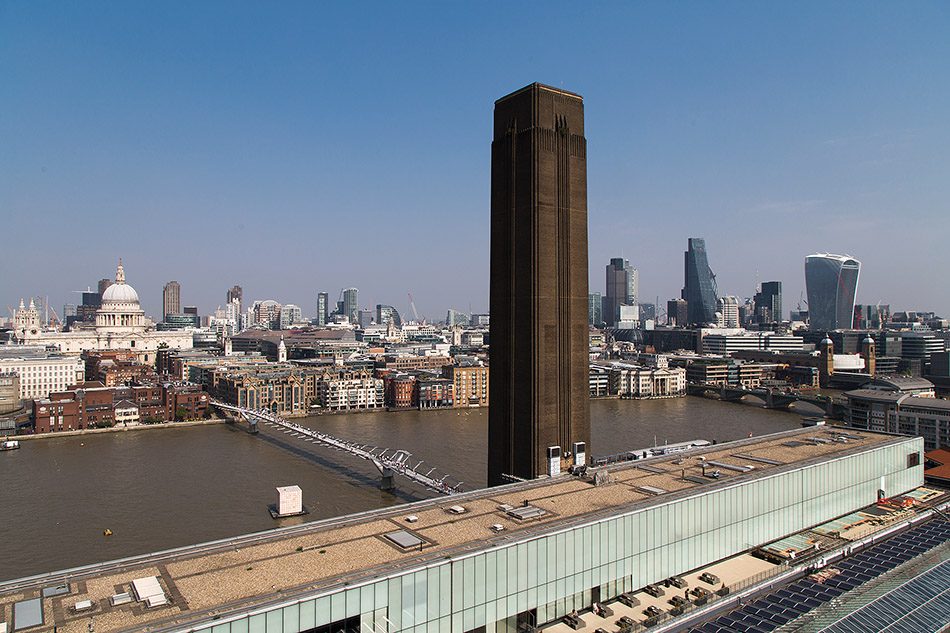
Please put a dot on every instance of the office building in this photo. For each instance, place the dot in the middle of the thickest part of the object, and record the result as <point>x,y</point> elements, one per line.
<point>677,314</point>
<point>235,292</point>
<point>729,312</point>
<point>323,308</point>
<point>454,317</point>
<point>767,303</point>
<point>9,393</point>
<point>871,317</point>
<point>290,315</point>
<point>700,288</point>
<point>540,402</point>
<point>387,314</point>
<point>351,304</point>
<point>831,282</point>
<point>900,412</point>
<point>266,313</point>
<point>40,371</point>
<point>171,299</point>
<point>621,289</point>
<point>595,309</point>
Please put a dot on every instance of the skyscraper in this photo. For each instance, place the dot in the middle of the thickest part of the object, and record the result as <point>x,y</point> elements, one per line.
<point>729,312</point>
<point>621,288</point>
<point>768,302</point>
<point>350,303</point>
<point>235,292</point>
<point>700,289</point>
<point>831,282</point>
<point>539,417</point>
<point>676,313</point>
<point>323,308</point>
<point>595,307</point>
<point>171,299</point>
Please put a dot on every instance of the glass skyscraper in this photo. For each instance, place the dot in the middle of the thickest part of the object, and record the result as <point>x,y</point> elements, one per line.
<point>831,282</point>
<point>621,288</point>
<point>700,289</point>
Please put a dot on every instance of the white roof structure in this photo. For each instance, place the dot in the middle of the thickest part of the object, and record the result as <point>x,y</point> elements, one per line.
<point>148,588</point>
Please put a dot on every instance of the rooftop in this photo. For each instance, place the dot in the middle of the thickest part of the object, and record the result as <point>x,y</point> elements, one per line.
<point>248,571</point>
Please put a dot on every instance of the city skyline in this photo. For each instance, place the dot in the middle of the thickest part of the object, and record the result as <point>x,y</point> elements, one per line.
<point>764,143</point>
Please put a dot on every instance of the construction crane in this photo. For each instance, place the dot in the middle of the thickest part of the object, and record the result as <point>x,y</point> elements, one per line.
<point>412,308</point>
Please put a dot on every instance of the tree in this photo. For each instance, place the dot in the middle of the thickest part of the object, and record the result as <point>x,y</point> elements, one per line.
<point>181,413</point>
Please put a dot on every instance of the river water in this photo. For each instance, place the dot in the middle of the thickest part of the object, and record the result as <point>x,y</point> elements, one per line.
<point>159,489</point>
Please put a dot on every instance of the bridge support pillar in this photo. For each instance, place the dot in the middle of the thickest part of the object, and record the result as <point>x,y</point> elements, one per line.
<point>386,481</point>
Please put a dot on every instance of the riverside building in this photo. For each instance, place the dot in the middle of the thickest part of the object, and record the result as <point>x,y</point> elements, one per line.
<point>40,371</point>
<point>498,560</point>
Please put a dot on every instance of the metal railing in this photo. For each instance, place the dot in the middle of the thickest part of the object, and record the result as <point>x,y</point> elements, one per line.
<point>388,461</point>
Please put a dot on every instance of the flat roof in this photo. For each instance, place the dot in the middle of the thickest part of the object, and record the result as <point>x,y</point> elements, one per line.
<point>255,569</point>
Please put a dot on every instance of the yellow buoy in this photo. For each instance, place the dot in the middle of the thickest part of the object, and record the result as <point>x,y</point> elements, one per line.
<point>107,532</point>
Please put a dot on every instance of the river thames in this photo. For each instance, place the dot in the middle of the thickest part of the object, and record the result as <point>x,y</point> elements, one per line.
<point>159,489</point>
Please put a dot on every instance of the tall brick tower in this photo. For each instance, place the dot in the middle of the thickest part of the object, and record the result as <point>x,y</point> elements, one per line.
<point>539,332</point>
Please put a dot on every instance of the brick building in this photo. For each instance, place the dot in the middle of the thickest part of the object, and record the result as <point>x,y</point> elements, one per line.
<point>117,367</point>
<point>93,405</point>
<point>471,384</point>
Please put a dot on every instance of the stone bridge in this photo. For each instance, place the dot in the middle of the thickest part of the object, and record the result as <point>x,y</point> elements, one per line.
<point>771,397</point>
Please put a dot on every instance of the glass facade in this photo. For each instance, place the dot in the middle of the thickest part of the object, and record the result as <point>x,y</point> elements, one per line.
<point>543,578</point>
<point>700,289</point>
<point>831,282</point>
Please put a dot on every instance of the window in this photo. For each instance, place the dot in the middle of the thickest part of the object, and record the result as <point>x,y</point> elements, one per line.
<point>913,459</point>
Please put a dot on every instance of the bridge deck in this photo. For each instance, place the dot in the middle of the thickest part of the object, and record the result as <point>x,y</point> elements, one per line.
<point>253,570</point>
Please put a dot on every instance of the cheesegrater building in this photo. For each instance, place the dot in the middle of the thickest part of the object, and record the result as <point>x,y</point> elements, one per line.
<point>539,419</point>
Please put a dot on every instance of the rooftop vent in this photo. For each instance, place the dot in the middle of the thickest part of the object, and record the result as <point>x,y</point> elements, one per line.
<point>651,490</point>
<point>456,510</point>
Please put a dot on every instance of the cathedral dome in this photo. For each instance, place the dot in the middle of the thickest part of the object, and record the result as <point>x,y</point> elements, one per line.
<point>120,292</point>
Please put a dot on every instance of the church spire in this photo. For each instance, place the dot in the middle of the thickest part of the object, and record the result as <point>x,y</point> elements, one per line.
<point>120,273</point>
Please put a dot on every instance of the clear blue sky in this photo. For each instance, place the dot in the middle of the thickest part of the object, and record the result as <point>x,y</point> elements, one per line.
<point>293,148</point>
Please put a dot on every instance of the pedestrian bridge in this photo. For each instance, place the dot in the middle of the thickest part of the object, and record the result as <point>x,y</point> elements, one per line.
<point>390,462</point>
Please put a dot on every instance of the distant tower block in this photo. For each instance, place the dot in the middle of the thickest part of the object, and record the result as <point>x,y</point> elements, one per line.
<point>869,355</point>
<point>826,368</point>
<point>289,501</point>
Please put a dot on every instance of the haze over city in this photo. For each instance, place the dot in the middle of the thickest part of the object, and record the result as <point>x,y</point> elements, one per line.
<point>313,148</point>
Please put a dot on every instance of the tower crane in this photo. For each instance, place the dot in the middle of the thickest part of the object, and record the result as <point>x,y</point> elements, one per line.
<point>412,308</point>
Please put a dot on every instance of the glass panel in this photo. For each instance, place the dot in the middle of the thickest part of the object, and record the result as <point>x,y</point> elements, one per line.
<point>257,624</point>
<point>307,615</point>
<point>321,611</point>
<point>337,607</point>
<point>275,621</point>
<point>292,618</point>
<point>367,598</point>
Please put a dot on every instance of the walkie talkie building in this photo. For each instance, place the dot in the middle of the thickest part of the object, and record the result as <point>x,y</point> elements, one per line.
<point>832,283</point>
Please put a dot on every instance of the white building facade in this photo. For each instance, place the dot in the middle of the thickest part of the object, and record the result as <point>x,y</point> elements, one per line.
<point>120,324</point>
<point>41,372</point>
